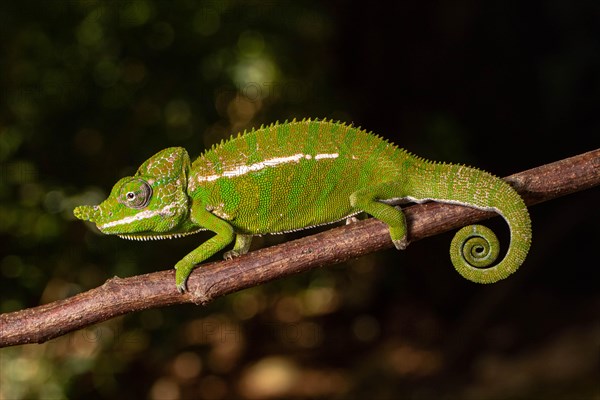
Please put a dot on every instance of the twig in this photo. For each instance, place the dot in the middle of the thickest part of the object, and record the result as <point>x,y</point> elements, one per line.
<point>121,296</point>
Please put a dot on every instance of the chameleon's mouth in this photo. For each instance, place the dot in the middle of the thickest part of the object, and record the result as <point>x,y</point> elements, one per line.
<point>145,236</point>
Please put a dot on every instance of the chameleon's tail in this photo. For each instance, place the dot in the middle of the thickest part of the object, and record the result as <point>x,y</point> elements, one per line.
<point>475,247</point>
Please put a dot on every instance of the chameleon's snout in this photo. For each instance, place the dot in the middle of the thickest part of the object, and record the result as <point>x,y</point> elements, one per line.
<point>86,213</point>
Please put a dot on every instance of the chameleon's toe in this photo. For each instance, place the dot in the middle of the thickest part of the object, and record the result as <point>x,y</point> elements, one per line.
<point>182,272</point>
<point>181,282</point>
<point>182,287</point>
<point>351,220</point>
<point>401,244</point>
<point>228,255</point>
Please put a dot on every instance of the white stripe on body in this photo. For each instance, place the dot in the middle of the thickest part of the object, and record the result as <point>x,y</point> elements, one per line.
<point>271,162</point>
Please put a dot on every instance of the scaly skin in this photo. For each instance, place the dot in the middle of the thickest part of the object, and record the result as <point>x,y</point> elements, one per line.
<point>300,174</point>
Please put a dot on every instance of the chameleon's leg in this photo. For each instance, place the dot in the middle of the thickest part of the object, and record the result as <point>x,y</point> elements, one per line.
<point>367,200</point>
<point>241,246</point>
<point>224,236</point>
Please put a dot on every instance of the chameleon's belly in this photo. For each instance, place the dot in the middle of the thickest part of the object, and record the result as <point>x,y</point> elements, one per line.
<point>278,217</point>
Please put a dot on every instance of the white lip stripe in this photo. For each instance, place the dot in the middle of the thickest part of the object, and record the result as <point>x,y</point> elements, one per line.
<point>272,162</point>
<point>138,217</point>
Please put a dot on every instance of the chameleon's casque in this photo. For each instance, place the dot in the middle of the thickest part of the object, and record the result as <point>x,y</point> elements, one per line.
<point>300,174</point>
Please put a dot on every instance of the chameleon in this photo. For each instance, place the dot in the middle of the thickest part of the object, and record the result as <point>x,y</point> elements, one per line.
<point>300,174</point>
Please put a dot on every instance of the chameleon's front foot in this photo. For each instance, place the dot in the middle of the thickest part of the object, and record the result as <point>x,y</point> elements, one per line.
<point>182,273</point>
<point>182,287</point>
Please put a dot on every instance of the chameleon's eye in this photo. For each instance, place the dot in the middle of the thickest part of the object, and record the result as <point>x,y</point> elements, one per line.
<point>136,193</point>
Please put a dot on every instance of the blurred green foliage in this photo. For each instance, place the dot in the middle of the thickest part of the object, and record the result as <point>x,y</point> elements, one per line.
<point>90,89</point>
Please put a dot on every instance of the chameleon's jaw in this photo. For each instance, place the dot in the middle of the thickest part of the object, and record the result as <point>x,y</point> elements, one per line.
<point>154,236</point>
<point>86,213</point>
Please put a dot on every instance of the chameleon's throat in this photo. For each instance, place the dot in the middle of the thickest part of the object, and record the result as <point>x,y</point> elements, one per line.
<point>146,237</point>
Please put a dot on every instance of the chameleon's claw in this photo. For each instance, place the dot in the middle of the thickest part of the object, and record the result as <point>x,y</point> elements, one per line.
<point>182,287</point>
<point>351,220</point>
<point>181,276</point>
<point>231,254</point>
<point>401,244</point>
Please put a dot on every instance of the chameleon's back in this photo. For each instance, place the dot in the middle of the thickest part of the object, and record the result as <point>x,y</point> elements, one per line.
<point>291,176</point>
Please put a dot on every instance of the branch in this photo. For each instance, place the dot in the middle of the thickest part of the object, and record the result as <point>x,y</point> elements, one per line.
<point>121,296</point>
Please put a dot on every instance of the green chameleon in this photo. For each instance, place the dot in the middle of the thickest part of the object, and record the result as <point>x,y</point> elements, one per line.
<point>300,174</point>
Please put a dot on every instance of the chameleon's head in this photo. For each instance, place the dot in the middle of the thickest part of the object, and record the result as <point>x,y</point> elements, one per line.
<point>151,204</point>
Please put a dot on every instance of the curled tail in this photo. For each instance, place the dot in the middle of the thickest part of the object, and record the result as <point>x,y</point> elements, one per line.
<point>475,248</point>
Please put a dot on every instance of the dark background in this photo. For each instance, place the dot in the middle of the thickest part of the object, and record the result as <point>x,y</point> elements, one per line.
<point>90,89</point>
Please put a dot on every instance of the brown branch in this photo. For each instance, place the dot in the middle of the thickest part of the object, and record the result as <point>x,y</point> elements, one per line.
<point>120,296</point>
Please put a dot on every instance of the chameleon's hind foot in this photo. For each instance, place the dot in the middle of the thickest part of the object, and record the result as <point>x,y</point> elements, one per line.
<point>231,254</point>
<point>401,244</point>
<point>241,246</point>
<point>351,220</point>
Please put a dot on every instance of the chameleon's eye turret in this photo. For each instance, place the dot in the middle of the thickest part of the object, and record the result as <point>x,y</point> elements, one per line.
<point>135,194</point>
